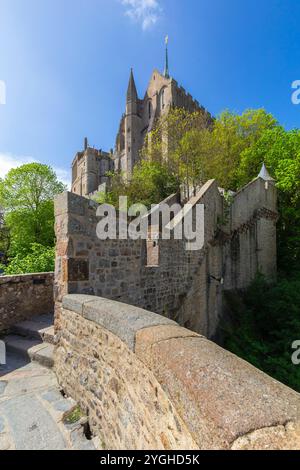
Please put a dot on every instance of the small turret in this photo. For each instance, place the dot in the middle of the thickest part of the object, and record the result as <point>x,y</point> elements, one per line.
<point>166,70</point>
<point>264,174</point>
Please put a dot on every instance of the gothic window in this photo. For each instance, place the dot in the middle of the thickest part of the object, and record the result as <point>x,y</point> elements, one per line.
<point>163,99</point>
<point>74,171</point>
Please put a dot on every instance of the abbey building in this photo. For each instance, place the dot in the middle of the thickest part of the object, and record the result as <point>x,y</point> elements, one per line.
<point>90,166</point>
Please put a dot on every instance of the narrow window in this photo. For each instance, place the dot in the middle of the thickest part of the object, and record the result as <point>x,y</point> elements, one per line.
<point>152,253</point>
<point>163,99</point>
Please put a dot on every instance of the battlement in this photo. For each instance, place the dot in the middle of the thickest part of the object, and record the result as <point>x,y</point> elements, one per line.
<point>162,94</point>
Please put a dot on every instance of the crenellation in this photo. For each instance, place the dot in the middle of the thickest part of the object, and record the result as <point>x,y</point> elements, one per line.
<point>90,166</point>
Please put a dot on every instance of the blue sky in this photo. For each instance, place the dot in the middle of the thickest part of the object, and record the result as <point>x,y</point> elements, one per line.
<point>66,65</point>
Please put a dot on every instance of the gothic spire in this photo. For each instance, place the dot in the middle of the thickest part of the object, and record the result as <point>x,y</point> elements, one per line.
<point>131,92</point>
<point>166,71</point>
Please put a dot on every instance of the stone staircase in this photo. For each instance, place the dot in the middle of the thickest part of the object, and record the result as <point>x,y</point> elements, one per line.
<point>33,339</point>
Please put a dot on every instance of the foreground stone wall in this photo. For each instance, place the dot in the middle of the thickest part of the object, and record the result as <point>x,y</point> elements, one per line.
<point>147,383</point>
<point>24,296</point>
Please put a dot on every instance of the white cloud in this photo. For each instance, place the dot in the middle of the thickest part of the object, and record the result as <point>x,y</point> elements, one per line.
<point>9,161</point>
<point>145,12</point>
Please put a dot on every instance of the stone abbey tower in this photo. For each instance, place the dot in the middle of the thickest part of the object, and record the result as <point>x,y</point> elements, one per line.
<point>90,166</point>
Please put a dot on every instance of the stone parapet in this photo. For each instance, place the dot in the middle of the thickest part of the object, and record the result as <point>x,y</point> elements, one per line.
<point>147,383</point>
<point>25,296</point>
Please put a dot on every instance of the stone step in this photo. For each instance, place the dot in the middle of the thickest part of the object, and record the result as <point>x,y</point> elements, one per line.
<point>40,328</point>
<point>32,349</point>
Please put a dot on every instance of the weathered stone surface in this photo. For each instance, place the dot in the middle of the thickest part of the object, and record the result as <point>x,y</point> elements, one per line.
<point>78,269</point>
<point>147,337</point>
<point>173,390</point>
<point>29,348</point>
<point>40,327</point>
<point>2,424</point>
<point>186,286</point>
<point>2,386</point>
<point>32,410</point>
<point>219,396</point>
<point>25,296</point>
<point>68,202</point>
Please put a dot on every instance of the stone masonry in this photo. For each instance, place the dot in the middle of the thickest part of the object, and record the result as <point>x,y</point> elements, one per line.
<point>146,383</point>
<point>25,296</point>
<point>90,166</point>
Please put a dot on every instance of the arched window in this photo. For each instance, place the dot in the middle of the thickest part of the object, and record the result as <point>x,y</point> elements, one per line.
<point>149,109</point>
<point>163,98</point>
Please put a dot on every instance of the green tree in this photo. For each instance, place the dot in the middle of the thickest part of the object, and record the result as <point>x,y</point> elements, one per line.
<point>26,196</point>
<point>38,259</point>
<point>265,320</point>
<point>196,148</point>
<point>151,183</point>
<point>280,150</point>
<point>4,238</point>
<point>231,136</point>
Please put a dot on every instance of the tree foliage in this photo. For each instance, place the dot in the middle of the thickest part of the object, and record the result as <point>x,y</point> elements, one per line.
<point>265,322</point>
<point>280,150</point>
<point>38,259</point>
<point>151,182</point>
<point>4,238</point>
<point>176,144</point>
<point>196,149</point>
<point>26,196</point>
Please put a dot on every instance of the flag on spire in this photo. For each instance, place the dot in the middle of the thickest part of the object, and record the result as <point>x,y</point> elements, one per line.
<point>166,71</point>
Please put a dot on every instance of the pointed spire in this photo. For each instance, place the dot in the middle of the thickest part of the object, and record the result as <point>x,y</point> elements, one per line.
<point>166,71</point>
<point>131,91</point>
<point>264,174</point>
